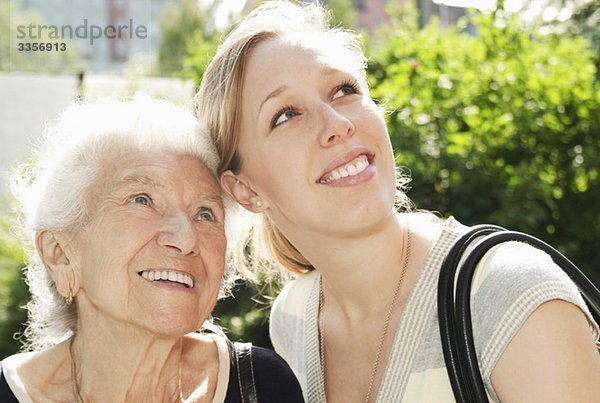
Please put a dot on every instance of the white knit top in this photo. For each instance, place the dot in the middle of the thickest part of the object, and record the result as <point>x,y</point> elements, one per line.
<point>512,280</point>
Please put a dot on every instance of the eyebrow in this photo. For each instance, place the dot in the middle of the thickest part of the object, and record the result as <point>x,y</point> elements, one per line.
<point>326,71</point>
<point>135,179</point>
<point>212,198</point>
<point>272,94</point>
<point>329,71</point>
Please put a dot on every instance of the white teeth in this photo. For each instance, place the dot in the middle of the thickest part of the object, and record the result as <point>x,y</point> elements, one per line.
<point>355,167</point>
<point>155,275</point>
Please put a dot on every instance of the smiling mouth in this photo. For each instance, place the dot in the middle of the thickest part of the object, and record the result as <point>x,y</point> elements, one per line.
<point>168,276</point>
<point>352,168</point>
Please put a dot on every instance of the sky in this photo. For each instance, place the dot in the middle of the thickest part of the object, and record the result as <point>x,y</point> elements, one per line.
<point>548,10</point>
<point>529,9</point>
<point>226,8</point>
<point>480,4</point>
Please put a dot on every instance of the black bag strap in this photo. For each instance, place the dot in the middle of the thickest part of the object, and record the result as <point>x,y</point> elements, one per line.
<point>454,312</point>
<point>241,359</point>
<point>446,317</point>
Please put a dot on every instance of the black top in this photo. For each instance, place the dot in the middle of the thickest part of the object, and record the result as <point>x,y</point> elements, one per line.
<point>6,395</point>
<point>274,380</point>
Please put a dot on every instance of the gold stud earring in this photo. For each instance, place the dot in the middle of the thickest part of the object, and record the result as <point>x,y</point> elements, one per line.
<point>69,299</point>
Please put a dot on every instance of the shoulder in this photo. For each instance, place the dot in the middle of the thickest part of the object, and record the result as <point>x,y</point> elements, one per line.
<point>12,372</point>
<point>288,320</point>
<point>516,267</point>
<point>202,350</point>
<point>203,341</point>
<point>514,279</point>
<point>287,317</point>
<point>511,266</point>
<point>269,362</point>
<point>265,372</point>
<point>556,332</point>
<point>274,379</point>
<point>512,282</point>
<point>295,294</point>
<point>6,393</point>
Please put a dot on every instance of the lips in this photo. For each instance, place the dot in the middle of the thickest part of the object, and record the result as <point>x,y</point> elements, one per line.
<point>352,168</point>
<point>349,164</point>
<point>168,275</point>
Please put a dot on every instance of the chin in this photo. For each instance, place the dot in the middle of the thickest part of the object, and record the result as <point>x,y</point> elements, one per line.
<point>377,205</point>
<point>175,331</point>
<point>176,326</point>
<point>365,219</point>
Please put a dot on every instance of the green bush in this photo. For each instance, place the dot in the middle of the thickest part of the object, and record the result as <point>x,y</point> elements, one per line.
<point>245,315</point>
<point>13,290</point>
<point>187,29</point>
<point>498,126</point>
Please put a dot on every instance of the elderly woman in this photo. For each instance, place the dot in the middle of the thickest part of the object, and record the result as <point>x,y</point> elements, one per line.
<point>128,224</point>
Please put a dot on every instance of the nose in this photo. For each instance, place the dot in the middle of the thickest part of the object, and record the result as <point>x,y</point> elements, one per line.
<point>178,235</point>
<point>336,125</point>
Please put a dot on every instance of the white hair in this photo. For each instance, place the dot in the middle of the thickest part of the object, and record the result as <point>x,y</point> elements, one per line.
<point>51,189</point>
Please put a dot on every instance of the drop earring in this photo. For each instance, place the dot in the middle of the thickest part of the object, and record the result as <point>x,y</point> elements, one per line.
<point>69,299</point>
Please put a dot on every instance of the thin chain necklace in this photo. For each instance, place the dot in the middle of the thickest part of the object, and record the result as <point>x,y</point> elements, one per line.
<point>386,324</point>
<point>75,386</point>
<point>76,393</point>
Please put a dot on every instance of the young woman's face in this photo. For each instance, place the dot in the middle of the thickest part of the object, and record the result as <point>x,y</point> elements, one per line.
<point>313,145</point>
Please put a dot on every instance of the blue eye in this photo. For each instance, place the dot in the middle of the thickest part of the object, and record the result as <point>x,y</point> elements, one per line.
<point>346,88</point>
<point>206,214</point>
<point>142,199</point>
<point>282,116</point>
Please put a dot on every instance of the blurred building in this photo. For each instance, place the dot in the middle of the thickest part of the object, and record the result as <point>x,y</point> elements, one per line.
<point>372,14</point>
<point>448,15</point>
<point>109,33</point>
<point>92,25</point>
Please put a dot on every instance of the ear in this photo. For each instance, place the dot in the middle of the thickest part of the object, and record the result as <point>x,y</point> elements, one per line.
<point>242,192</point>
<point>54,256</point>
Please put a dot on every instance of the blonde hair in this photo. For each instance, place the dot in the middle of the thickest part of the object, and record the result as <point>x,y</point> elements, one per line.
<point>53,189</point>
<point>219,101</point>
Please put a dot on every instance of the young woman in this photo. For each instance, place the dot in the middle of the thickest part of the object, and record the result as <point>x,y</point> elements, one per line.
<point>304,146</point>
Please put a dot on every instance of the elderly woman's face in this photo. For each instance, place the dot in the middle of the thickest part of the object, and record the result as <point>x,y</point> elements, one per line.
<point>153,254</point>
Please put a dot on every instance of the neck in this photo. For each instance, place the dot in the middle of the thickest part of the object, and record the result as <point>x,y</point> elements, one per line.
<point>358,273</point>
<point>137,368</point>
